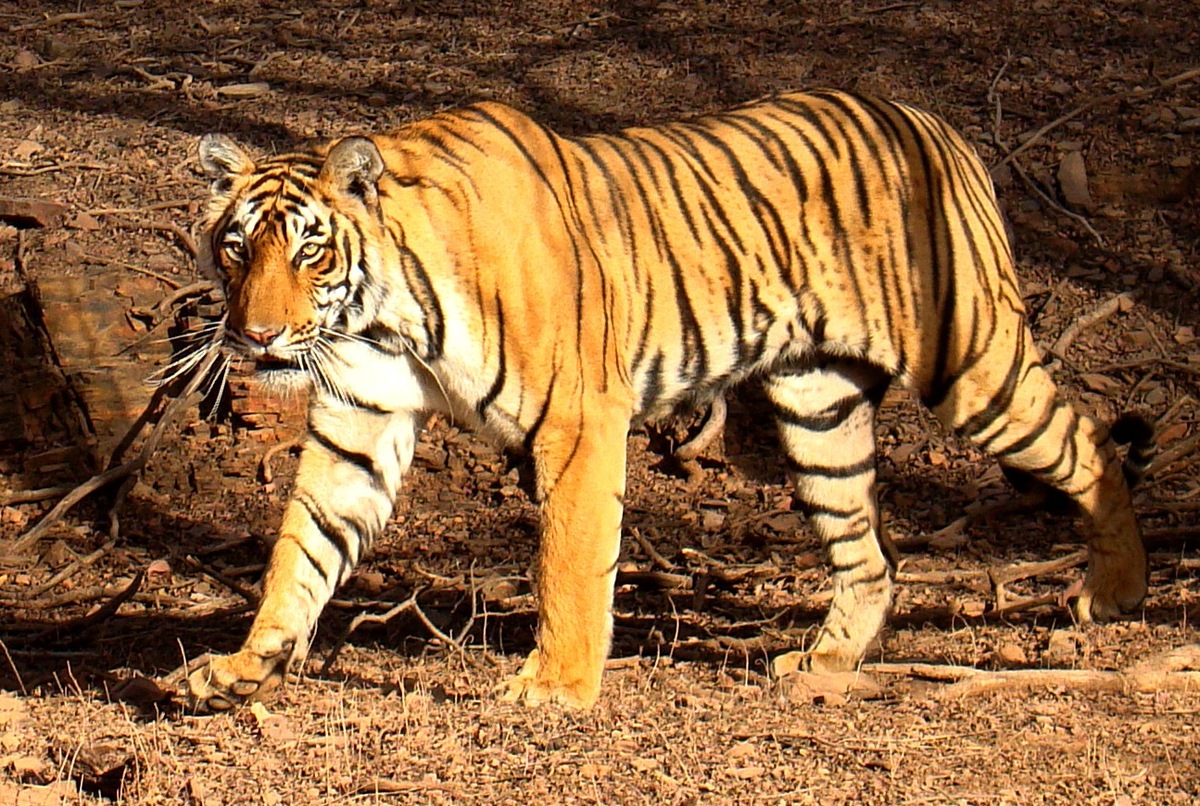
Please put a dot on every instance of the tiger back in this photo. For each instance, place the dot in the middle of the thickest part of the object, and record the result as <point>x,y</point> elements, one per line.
<point>552,291</point>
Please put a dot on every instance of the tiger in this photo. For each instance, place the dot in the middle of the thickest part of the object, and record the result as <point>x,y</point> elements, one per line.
<point>554,292</point>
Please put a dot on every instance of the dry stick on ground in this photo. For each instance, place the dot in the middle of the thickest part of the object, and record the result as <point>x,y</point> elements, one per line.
<point>249,594</point>
<point>383,618</point>
<point>1050,200</point>
<point>713,423</point>
<point>994,99</point>
<point>648,547</point>
<point>33,496</point>
<point>133,466</point>
<point>167,306</point>
<point>1006,506</point>
<point>185,237</point>
<point>1098,316</point>
<point>82,562</point>
<point>264,464</point>
<point>1171,670</point>
<point>1131,95</point>
<point>1000,577</point>
<point>91,619</point>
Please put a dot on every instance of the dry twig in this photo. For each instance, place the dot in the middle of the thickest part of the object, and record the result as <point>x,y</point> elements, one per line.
<point>1135,94</point>
<point>131,467</point>
<point>1171,670</point>
<point>1100,314</point>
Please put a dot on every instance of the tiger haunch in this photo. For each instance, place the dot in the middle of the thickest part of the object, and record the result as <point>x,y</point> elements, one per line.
<point>552,291</point>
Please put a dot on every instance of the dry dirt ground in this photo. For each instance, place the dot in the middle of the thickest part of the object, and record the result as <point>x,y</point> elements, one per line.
<point>100,107</point>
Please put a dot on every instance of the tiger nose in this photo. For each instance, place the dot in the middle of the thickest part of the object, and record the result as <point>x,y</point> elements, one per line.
<point>261,336</point>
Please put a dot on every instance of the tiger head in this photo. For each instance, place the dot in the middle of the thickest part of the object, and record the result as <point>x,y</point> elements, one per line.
<point>288,237</point>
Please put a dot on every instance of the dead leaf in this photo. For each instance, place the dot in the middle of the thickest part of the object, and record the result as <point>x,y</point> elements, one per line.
<point>1172,433</point>
<point>250,90</point>
<point>12,709</point>
<point>1012,655</point>
<point>590,770</point>
<point>197,793</point>
<point>83,221</point>
<point>1095,382</point>
<point>1073,179</point>
<point>274,727</point>
<point>787,663</point>
<point>140,691</point>
<point>902,453</point>
<point>746,773</point>
<point>26,149</point>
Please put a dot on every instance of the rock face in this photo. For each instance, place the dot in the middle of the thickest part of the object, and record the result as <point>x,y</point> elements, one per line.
<point>75,360</point>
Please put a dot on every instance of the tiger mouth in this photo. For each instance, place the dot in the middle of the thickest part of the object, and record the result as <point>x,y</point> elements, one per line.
<point>266,364</point>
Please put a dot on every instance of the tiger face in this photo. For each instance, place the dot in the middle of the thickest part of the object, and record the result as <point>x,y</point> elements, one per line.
<point>294,282</point>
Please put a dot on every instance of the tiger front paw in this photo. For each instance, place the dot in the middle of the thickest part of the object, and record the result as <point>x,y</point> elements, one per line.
<point>1110,592</point>
<point>533,686</point>
<point>232,680</point>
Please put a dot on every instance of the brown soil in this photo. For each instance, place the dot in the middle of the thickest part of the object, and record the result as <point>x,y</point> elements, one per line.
<point>100,110</point>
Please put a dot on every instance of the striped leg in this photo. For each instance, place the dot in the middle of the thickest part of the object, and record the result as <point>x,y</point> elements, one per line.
<point>1013,411</point>
<point>826,421</point>
<point>581,479</point>
<point>349,473</point>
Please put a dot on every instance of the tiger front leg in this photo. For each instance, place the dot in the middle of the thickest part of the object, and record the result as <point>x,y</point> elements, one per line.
<point>349,473</point>
<point>581,476</point>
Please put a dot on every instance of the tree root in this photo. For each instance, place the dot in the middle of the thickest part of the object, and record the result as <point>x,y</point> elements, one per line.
<point>1173,670</point>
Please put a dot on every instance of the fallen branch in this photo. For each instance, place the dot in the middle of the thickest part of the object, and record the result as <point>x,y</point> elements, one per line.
<point>74,567</point>
<point>383,618</point>
<point>1000,577</point>
<point>250,595</point>
<point>1054,205</point>
<point>651,552</point>
<point>264,464</point>
<point>40,494</point>
<point>1135,94</point>
<point>1172,670</point>
<point>103,612</point>
<point>1100,314</point>
<point>135,465</point>
<point>687,454</point>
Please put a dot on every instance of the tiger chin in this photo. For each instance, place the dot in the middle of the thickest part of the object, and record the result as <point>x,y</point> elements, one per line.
<point>554,291</point>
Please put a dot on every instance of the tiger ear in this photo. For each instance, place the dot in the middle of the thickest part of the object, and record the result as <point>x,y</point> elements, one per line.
<point>353,167</point>
<point>222,159</point>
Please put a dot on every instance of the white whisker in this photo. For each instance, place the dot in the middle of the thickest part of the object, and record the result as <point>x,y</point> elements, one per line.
<point>408,348</point>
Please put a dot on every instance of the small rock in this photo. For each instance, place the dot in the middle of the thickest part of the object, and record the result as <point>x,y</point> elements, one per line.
<point>83,221</point>
<point>830,689</point>
<point>1012,655</point>
<point>25,60</point>
<point>1063,646</point>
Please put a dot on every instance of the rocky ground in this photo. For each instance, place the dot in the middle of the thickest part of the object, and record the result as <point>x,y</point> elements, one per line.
<point>1092,119</point>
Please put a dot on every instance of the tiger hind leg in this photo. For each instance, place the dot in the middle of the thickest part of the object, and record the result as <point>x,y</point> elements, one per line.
<point>826,419</point>
<point>1014,412</point>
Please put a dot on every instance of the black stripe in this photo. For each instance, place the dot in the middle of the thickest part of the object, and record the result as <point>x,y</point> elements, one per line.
<point>362,461</point>
<point>339,537</point>
<point>313,561</point>
<point>821,421</point>
<point>502,368</point>
<point>866,465</point>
